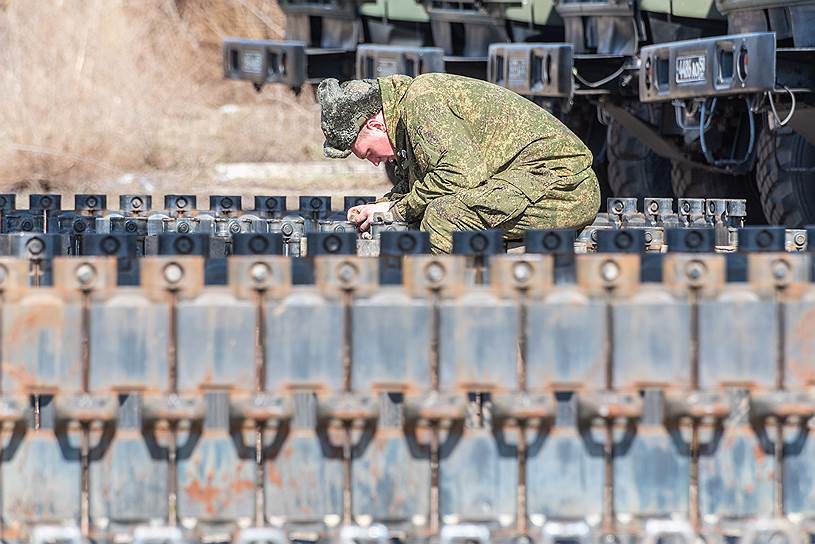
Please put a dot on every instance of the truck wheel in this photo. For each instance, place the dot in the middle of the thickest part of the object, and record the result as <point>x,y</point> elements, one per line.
<point>785,173</point>
<point>689,182</point>
<point>634,170</point>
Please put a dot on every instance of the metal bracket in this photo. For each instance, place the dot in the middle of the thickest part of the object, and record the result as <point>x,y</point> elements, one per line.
<point>261,535</point>
<point>373,534</point>
<point>51,534</point>
<point>477,534</point>
<point>157,535</point>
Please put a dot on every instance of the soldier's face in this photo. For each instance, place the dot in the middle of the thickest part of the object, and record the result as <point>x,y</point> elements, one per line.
<point>372,143</point>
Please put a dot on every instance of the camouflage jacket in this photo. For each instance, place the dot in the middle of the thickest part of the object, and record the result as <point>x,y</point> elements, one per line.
<point>452,133</point>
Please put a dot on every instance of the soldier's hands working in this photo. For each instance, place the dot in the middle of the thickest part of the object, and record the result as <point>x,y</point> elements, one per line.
<point>362,215</point>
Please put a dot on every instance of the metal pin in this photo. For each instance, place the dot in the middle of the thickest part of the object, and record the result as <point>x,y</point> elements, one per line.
<point>172,449</point>
<point>435,321</point>
<point>260,380</point>
<point>695,514</point>
<point>84,505</point>
<point>608,446</point>
<point>522,515</point>
<point>780,378</point>
<point>347,512</point>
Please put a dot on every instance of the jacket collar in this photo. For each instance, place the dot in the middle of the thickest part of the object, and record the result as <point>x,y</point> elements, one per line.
<point>393,90</point>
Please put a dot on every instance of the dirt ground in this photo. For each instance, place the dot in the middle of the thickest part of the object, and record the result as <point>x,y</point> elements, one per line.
<point>124,96</point>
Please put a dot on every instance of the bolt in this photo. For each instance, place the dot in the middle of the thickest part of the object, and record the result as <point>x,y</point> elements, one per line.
<point>686,207</point>
<point>693,239</point>
<point>623,240</point>
<point>181,203</point>
<point>609,271</point>
<point>618,206</point>
<point>258,244</point>
<point>653,207</point>
<point>478,243</point>
<point>522,272</point>
<point>234,227</point>
<point>173,273</point>
<point>649,237</point>
<point>35,246</point>
<point>183,228</point>
<point>764,238</point>
<point>136,203</point>
<point>91,202</point>
<point>183,245</point>
<point>435,272</point>
<point>780,269</point>
<point>287,229</point>
<point>332,244</point>
<point>551,241</point>
<point>45,202</point>
<point>85,273</point>
<point>799,239</point>
<point>260,272</point>
<point>406,243</point>
<point>609,538</point>
<point>109,245</point>
<point>131,226</point>
<point>346,273</point>
<point>694,270</point>
<point>226,203</point>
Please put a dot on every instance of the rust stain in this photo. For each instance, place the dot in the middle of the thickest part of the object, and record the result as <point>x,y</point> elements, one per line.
<point>18,375</point>
<point>273,475</point>
<point>29,318</point>
<point>802,338</point>
<point>240,485</point>
<point>206,494</point>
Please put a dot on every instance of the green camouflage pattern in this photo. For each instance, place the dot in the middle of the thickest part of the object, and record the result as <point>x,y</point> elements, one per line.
<point>473,155</point>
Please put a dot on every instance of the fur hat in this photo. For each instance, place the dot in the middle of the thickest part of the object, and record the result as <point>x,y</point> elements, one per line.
<point>344,110</point>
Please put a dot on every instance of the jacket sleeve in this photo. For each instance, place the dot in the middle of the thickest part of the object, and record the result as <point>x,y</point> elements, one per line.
<point>444,150</point>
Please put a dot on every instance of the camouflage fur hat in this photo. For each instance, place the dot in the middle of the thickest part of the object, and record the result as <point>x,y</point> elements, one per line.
<point>344,110</point>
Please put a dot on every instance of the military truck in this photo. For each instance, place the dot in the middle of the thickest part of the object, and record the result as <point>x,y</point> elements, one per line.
<point>651,89</point>
<point>367,38</point>
<point>322,38</point>
<point>596,64</point>
<point>744,105</point>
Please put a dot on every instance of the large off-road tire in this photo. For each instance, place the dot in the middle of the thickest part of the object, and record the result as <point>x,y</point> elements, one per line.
<point>785,175</point>
<point>689,182</point>
<point>634,170</point>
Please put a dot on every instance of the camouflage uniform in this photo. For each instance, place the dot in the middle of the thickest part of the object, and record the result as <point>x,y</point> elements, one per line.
<point>472,155</point>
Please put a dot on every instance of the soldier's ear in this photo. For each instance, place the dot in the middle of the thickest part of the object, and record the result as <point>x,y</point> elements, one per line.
<point>377,122</point>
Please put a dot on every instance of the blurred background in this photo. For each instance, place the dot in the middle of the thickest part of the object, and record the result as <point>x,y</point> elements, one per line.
<point>129,96</point>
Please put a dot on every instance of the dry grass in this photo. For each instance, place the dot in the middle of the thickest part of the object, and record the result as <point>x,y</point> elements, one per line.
<point>91,89</point>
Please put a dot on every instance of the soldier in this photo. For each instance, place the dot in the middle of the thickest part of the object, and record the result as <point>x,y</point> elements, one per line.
<point>468,155</point>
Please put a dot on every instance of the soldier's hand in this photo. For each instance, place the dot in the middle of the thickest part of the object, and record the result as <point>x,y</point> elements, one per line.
<point>362,215</point>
